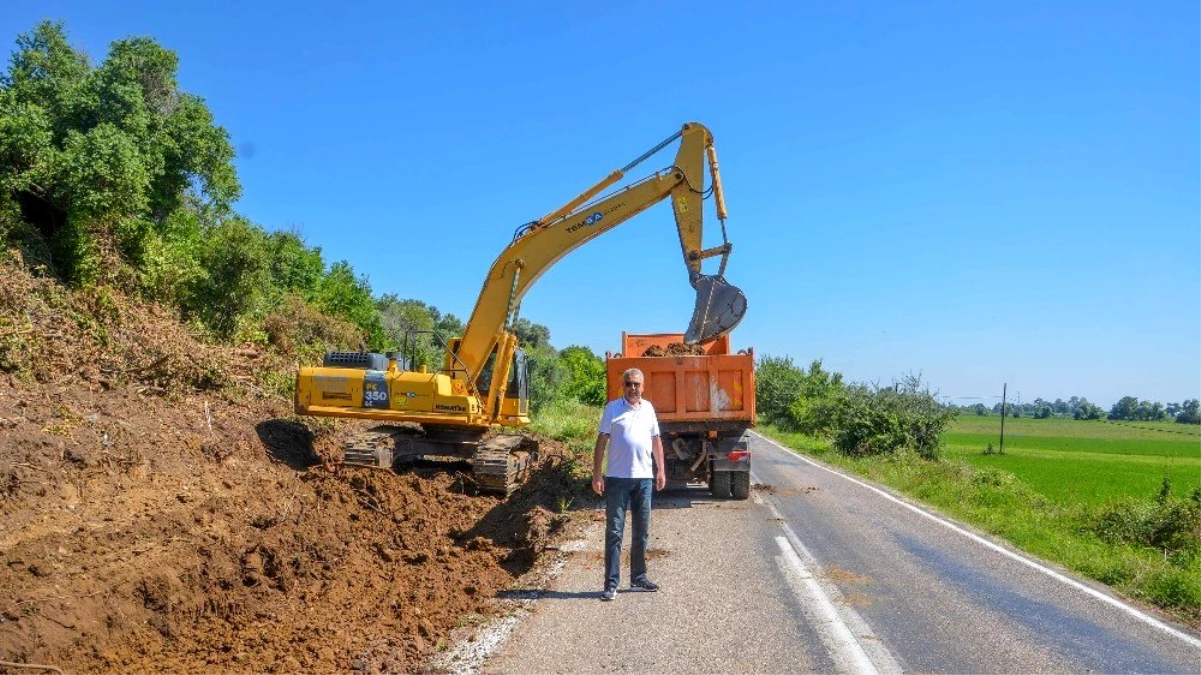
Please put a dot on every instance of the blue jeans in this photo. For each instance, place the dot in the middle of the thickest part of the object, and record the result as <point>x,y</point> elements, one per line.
<point>622,494</point>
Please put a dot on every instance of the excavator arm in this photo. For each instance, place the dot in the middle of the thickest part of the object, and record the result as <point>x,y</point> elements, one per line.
<point>540,244</point>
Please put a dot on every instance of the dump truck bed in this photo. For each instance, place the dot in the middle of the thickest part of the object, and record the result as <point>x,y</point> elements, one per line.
<point>716,388</point>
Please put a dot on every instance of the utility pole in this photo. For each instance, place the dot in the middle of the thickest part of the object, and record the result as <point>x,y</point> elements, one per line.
<point>1004,409</point>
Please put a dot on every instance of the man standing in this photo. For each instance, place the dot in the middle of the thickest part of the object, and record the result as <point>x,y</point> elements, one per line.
<point>631,430</point>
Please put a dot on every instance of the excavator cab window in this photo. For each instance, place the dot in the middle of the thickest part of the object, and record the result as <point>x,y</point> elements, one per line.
<point>519,382</point>
<point>518,386</point>
<point>484,381</point>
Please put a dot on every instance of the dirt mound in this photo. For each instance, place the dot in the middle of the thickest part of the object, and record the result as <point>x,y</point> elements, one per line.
<point>675,349</point>
<point>155,521</point>
<point>99,337</point>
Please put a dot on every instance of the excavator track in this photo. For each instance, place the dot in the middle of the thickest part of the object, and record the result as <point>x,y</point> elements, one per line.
<point>502,463</point>
<point>374,448</point>
<point>499,465</point>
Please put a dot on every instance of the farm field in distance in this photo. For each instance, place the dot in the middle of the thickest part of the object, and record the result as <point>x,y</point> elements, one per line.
<point>1083,462</point>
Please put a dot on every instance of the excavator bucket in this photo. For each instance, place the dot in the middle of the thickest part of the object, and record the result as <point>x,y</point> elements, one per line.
<point>719,308</point>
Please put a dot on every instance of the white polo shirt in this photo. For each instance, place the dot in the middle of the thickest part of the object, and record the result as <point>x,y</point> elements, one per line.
<point>630,432</point>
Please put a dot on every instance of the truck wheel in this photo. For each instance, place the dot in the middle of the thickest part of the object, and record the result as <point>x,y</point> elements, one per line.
<point>719,484</point>
<point>741,484</point>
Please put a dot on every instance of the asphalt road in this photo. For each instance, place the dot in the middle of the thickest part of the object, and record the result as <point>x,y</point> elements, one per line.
<point>821,572</point>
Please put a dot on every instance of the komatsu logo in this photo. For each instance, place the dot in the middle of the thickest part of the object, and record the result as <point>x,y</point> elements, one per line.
<point>331,383</point>
<point>450,408</point>
<point>588,222</point>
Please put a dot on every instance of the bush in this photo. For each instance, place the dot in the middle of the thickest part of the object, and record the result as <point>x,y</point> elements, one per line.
<point>815,416</point>
<point>814,409</point>
<point>585,375</point>
<point>233,277</point>
<point>887,420</point>
<point>548,377</point>
<point>777,385</point>
<point>1167,524</point>
<point>296,327</point>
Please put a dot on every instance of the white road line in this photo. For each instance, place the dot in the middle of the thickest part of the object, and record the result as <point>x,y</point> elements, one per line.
<point>1145,618</point>
<point>857,630</point>
<point>844,649</point>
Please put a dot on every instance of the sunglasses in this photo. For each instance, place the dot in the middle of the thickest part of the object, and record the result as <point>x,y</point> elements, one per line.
<point>633,384</point>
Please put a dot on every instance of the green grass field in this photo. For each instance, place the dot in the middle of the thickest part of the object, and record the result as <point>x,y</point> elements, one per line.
<point>1083,462</point>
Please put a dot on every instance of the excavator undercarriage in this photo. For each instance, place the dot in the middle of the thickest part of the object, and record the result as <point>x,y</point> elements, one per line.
<point>499,463</point>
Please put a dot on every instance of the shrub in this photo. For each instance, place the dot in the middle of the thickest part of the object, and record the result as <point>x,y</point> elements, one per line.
<point>296,327</point>
<point>777,385</point>
<point>585,375</point>
<point>1168,524</point>
<point>874,421</point>
<point>814,409</point>
<point>232,279</point>
<point>548,376</point>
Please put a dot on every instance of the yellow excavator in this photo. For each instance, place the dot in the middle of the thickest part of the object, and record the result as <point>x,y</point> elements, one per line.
<point>483,383</point>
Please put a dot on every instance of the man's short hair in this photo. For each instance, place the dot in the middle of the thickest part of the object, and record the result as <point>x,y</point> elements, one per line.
<point>632,371</point>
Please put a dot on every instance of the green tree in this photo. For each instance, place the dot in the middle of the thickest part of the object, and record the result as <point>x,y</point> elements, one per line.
<point>531,335</point>
<point>585,375</point>
<point>230,286</point>
<point>548,377</point>
<point>96,160</point>
<point>447,325</point>
<point>1190,412</point>
<point>419,330</point>
<point>777,384</point>
<point>294,267</point>
<point>1125,409</point>
<point>341,294</point>
<point>812,411</point>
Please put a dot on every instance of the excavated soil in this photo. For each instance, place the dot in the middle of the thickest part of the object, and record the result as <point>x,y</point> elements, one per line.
<point>162,512</point>
<point>675,349</point>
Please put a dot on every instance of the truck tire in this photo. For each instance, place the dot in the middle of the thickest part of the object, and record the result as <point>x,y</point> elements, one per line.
<point>719,484</point>
<point>740,484</point>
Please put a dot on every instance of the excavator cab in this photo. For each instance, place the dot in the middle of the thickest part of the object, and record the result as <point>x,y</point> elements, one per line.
<point>517,391</point>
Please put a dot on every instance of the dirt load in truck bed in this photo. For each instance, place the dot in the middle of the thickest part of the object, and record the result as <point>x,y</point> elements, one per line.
<point>161,511</point>
<point>675,349</point>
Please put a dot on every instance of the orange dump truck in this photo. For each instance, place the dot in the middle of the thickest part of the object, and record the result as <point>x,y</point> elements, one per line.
<point>704,396</point>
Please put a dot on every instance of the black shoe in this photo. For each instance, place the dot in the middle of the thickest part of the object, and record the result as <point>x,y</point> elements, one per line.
<point>644,584</point>
<point>609,594</point>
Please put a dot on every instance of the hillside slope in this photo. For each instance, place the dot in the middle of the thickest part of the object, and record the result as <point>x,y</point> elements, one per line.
<point>162,511</point>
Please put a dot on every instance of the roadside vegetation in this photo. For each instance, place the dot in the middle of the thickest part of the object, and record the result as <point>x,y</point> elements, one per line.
<point>1113,501</point>
<point>116,185</point>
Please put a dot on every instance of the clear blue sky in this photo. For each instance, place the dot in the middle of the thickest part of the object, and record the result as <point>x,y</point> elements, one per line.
<point>982,192</point>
